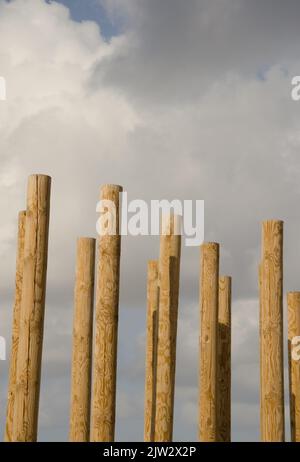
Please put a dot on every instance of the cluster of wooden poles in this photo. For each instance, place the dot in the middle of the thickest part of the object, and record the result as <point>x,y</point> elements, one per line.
<point>94,362</point>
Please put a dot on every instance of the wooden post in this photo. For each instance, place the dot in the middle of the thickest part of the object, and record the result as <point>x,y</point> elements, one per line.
<point>209,302</point>
<point>224,360</point>
<point>107,307</point>
<point>175,253</point>
<point>15,328</point>
<point>82,341</point>
<point>293,301</point>
<point>271,341</point>
<point>151,350</point>
<point>169,264</point>
<point>260,266</point>
<point>32,309</point>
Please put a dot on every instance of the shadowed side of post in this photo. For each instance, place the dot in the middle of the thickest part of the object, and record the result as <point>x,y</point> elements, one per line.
<point>224,360</point>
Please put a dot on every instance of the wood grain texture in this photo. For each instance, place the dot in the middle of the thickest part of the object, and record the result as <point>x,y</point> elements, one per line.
<point>271,330</point>
<point>175,252</point>
<point>106,327</point>
<point>82,341</point>
<point>151,350</point>
<point>169,267</point>
<point>224,360</point>
<point>293,302</point>
<point>32,309</point>
<point>260,326</point>
<point>209,301</point>
<point>15,329</point>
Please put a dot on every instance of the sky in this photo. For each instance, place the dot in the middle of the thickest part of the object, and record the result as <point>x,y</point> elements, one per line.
<point>172,100</point>
<point>94,10</point>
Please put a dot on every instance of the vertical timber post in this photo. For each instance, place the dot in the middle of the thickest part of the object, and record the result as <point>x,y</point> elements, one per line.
<point>15,328</point>
<point>82,341</point>
<point>169,267</point>
<point>32,309</point>
<point>293,302</point>
<point>175,252</point>
<point>224,360</point>
<point>209,301</point>
<point>271,333</point>
<point>106,322</point>
<point>151,350</point>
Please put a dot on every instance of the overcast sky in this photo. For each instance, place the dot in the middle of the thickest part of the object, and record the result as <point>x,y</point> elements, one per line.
<point>171,99</point>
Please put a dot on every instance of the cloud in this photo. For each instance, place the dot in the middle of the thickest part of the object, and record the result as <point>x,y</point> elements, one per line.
<point>177,49</point>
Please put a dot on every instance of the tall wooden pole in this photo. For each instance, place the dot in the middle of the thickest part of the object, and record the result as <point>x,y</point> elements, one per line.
<point>209,302</point>
<point>82,341</point>
<point>175,252</point>
<point>15,328</point>
<point>293,301</point>
<point>224,360</point>
<point>151,350</point>
<point>32,309</point>
<point>260,267</point>
<point>169,265</point>
<point>107,307</point>
<point>271,330</point>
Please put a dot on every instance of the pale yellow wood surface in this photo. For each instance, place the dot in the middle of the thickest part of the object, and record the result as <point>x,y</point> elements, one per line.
<point>32,309</point>
<point>293,302</point>
<point>271,330</point>
<point>82,341</point>
<point>260,369</point>
<point>106,328</point>
<point>169,266</point>
<point>15,329</point>
<point>151,350</point>
<point>224,360</point>
<point>209,301</point>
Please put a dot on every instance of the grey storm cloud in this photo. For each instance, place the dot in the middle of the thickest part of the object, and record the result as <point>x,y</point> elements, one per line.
<point>178,49</point>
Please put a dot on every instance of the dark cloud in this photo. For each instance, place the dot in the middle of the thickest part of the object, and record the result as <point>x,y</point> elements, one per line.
<point>178,49</point>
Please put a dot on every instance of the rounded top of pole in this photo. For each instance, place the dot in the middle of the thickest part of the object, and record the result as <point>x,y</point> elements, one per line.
<point>273,222</point>
<point>170,224</point>
<point>293,299</point>
<point>152,262</point>
<point>225,278</point>
<point>210,244</point>
<point>40,175</point>
<point>112,187</point>
<point>85,239</point>
<point>152,267</point>
<point>44,181</point>
<point>210,248</point>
